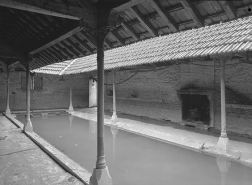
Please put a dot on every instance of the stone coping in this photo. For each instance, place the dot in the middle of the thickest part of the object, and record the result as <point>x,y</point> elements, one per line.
<point>157,132</point>
<point>64,161</point>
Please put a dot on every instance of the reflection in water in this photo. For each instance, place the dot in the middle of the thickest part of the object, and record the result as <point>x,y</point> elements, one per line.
<point>114,131</point>
<point>224,165</point>
<point>44,115</point>
<point>92,130</point>
<point>137,160</point>
<point>70,124</point>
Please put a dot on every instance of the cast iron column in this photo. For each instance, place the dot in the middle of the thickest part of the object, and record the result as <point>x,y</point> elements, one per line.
<point>223,140</point>
<point>114,116</point>
<point>8,112</point>
<point>100,163</point>
<point>28,124</point>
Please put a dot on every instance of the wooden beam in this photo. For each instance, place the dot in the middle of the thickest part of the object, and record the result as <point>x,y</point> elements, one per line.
<point>75,45</point>
<point>60,58</point>
<point>229,8</point>
<point>53,8</point>
<point>89,38</point>
<point>130,31</point>
<point>69,49</point>
<point>144,21</point>
<point>84,44</point>
<point>128,5</point>
<point>108,43</point>
<point>117,37</point>
<point>164,14</point>
<point>58,52</point>
<point>195,15</point>
<point>64,50</point>
<point>59,39</point>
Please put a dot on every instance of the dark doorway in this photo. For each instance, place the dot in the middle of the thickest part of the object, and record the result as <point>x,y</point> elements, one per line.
<point>195,108</point>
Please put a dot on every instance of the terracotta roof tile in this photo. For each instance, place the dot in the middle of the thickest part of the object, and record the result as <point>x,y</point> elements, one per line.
<point>218,39</point>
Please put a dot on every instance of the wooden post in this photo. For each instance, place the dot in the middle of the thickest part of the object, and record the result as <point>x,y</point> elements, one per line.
<point>28,125</point>
<point>71,109</point>
<point>114,116</point>
<point>8,112</point>
<point>223,139</point>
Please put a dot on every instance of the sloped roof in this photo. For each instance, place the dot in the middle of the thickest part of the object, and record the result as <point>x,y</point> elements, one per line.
<point>230,37</point>
<point>54,69</point>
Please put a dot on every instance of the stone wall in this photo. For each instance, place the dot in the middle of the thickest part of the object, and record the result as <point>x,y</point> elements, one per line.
<point>55,93</point>
<point>154,93</point>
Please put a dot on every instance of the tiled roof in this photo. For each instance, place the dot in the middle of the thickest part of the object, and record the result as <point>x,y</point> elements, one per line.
<point>231,37</point>
<point>54,69</point>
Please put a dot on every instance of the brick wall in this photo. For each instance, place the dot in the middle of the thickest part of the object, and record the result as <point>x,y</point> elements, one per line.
<point>154,93</point>
<point>55,93</point>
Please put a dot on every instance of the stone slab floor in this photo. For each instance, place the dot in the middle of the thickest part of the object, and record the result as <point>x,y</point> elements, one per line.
<point>23,163</point>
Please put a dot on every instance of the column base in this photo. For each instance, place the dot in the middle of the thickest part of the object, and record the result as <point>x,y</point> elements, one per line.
<point>8,112</point>
<point>28,126</point>
<point>114,119</point>
<point>100,177</point>
<point>71,109</point>
<point>223,143</point>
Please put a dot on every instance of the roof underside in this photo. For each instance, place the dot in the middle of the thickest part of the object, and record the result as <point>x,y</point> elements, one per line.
<point>57,38</point>
<point>225,38</point>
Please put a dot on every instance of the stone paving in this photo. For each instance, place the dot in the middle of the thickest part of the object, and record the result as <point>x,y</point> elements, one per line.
<point>240,149</point>
<point>22,162</point>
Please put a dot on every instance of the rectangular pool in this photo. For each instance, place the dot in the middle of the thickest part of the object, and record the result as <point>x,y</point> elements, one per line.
<point>137,160</point>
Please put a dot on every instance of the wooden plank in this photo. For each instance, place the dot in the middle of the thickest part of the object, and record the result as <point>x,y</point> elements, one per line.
<point>84,44</point>
<point>164,14</point>
<point>75,45</point>
<point>64,50</point>
<point>229,8</point>
<point>195,15</point>
<point>70,49</point>
<point>53,9</point>
<point>59,39</point>
<point>146,24</point>
<point>89,38</point>
<point>117,37</point>
<point>130,31</point>
<point>57,53</point>
<point>128,5</point>
<point>108,43</point>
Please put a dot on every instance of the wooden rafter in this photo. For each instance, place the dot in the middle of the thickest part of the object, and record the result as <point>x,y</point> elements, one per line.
<point>108,43</point>
<point>130,31</point>
<point>128,5</point>
<point>84,44</point>
<point>57,40</point>
<point>193,12</point>
<point>117,37</point>
<point>53,8</point>
<point>57,52</point>
<point>75,45</point>
<point>58,57</point>
<point>89,38</point>
<point>70,49</point>
<point>144,21</point>
<point>64,50</point>
<point>229,8</point>
<point>164,14</point>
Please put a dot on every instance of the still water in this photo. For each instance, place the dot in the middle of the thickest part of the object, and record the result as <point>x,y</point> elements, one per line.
<point>137,160</point>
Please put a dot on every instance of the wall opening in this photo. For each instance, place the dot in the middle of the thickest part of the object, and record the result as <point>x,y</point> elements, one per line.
<point>195,108</point>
